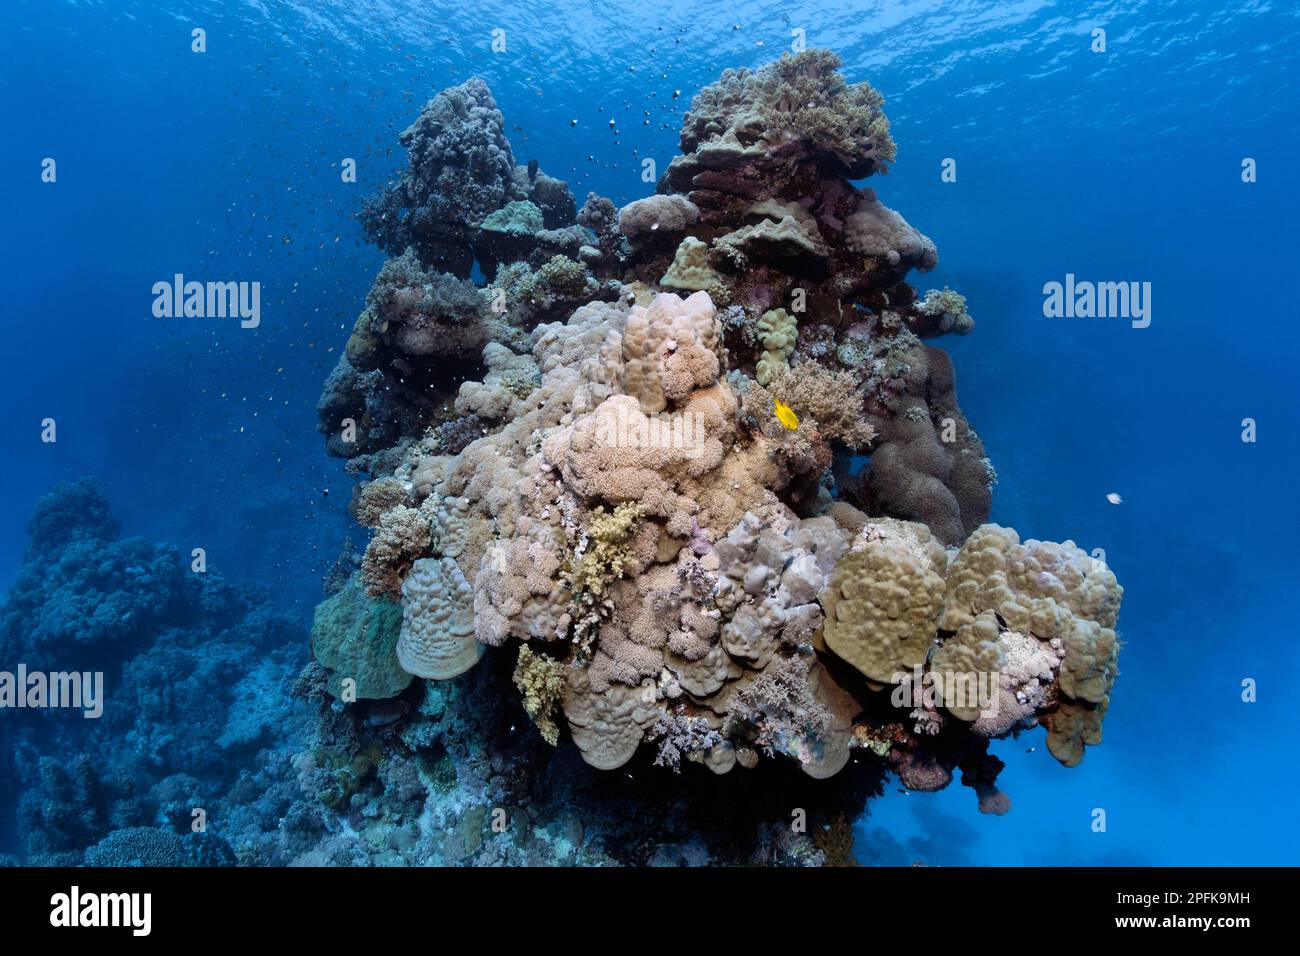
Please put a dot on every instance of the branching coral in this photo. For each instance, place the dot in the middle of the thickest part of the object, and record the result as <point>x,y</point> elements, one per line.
<point>374,498</point>
<point>943,312</point>
<point>835,840</point>
<point>824,399</point>
<point>778,710</point>
<point>602,556</point>
<point>680,736</point>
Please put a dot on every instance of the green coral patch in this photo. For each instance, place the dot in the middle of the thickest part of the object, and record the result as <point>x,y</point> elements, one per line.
<point>354,636</point>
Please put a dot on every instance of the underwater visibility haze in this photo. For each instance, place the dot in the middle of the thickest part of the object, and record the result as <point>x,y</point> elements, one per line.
<point>577,433</point>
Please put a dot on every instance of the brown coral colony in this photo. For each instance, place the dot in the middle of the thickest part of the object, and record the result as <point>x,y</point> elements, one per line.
<point>583,459</point>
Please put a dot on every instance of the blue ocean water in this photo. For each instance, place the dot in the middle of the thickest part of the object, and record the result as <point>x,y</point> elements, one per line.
<point>1117,165</point>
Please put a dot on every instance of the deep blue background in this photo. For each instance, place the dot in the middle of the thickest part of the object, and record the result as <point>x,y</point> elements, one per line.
<point>1122,165</point>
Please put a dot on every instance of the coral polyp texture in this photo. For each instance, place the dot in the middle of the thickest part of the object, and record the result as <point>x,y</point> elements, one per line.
<point>688,467</point>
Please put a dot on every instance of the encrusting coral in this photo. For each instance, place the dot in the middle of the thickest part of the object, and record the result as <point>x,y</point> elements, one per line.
<point>706,476</point>
<point>354,637</point>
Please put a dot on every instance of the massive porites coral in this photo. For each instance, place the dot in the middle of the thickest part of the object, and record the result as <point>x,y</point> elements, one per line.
<point>656,519</point>
<point>629,526</point>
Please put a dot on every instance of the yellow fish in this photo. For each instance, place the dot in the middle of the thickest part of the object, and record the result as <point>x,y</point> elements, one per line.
<point>785,415</point>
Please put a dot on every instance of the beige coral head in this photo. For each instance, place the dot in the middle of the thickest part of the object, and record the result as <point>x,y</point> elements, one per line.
<point>652,340</point>
<point>1072,727</point>
<point>966,670</point>
<point>778,330</point>
<point>690,267</point>
<point>607,726</point>
<point>437,639</point>
<point>883,601</point>
<point>1053,591</point>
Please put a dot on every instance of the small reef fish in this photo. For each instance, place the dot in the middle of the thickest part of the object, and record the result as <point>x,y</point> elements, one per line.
<point>1114,498</point>
<point>785,414</point>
